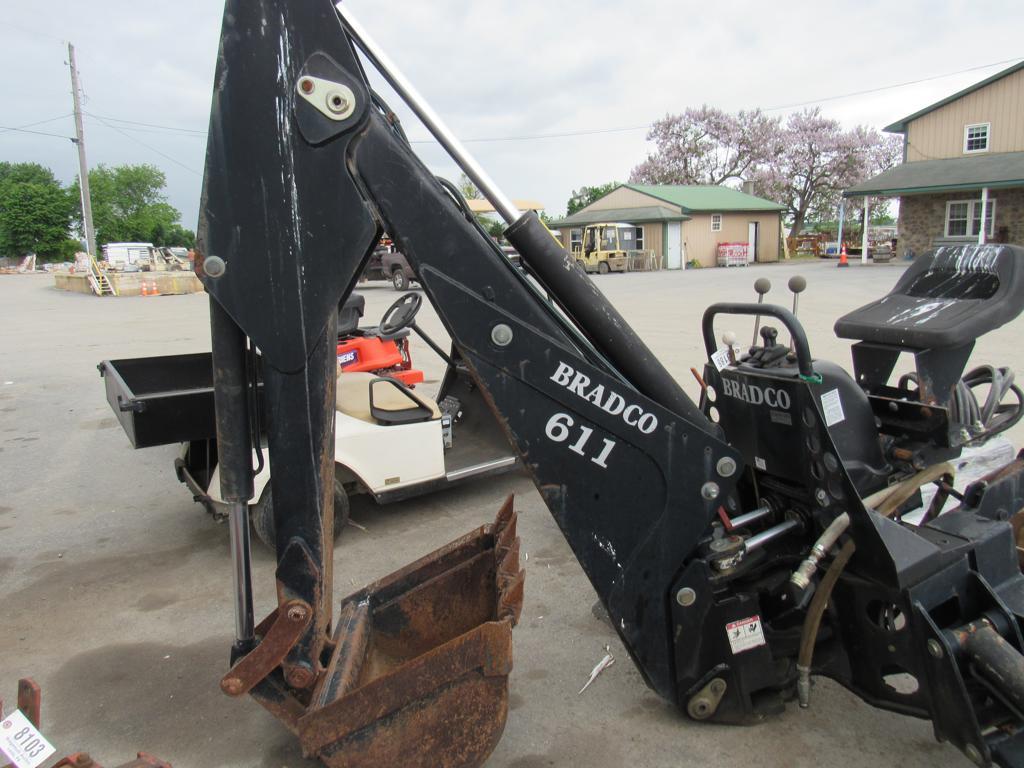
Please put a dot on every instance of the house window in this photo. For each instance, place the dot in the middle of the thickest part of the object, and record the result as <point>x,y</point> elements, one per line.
<point>963,218</point>
<point>716,222</point>
<point>976,137</point>
<point>575,240</point>
<point>639,238</point>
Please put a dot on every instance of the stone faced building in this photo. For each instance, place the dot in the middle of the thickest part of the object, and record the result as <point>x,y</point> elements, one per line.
<point>963,163</point>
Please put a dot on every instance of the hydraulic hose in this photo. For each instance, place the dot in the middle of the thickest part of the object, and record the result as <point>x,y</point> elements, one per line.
<point>888,500</point>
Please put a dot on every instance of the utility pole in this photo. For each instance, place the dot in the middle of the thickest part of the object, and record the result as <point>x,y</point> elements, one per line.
<point>83,166</point>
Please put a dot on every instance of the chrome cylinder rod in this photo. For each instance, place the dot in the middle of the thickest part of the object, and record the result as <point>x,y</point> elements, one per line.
<point>759,540</point>
<point>750,517</point>
<point>431,120</point>
<point>241,572</point>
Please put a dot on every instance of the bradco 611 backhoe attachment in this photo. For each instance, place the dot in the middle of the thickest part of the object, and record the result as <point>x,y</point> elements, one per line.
<point>762,536</point>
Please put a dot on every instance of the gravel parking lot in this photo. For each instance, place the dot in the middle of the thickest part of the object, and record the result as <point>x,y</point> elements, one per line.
<point>116,586</point>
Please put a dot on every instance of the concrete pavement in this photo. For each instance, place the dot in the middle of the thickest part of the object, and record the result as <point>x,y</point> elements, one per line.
<point>116,585</point>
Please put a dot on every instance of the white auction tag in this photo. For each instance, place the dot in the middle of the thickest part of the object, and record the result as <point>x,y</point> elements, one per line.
<point>22,743</point>
<point>721,358</point>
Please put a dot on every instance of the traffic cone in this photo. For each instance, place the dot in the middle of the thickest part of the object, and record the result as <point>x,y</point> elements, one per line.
<point>153,290</point>
<point>842,257</point>
<point>145,288</point>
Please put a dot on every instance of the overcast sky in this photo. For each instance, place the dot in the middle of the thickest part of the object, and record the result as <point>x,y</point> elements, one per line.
<point>501,69</point>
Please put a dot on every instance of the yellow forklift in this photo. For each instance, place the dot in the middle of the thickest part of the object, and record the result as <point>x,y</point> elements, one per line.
<point>605,247</point>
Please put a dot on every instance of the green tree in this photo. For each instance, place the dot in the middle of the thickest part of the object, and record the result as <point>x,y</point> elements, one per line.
<point>35,213</point>
<point>129,205</point>
<point>584,196</point>
<point>494,227</point>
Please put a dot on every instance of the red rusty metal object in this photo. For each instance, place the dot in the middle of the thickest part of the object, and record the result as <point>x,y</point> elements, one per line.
<point>286,625</point>
<point>418,672</point>
<point>30,699</point>
<point>83,760</point>
<point>30,702</point>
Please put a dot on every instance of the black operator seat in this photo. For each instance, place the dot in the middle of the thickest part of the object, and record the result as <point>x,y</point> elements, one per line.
<point>946,298</point>
<point>349,314</point>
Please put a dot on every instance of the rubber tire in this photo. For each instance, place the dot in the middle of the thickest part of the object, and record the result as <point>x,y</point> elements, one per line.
<point>262,515</point>
<point>602,267</point>
<point>399,281</point>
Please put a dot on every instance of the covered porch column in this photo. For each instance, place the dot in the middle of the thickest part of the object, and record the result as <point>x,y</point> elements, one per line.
<point>982,230</point>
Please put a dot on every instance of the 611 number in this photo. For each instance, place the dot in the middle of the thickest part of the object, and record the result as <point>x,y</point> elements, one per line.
<point>557,429</point>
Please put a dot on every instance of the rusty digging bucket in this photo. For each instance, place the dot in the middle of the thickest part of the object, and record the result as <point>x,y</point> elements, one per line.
<point>419,673</point>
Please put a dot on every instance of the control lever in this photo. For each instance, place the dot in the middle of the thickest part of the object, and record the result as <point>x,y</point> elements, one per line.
<point>797,284</point>
<point>729,340</point>
<point>762,285</point>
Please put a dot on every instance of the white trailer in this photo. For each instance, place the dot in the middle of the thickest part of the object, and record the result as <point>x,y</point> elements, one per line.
<point>122,254</point>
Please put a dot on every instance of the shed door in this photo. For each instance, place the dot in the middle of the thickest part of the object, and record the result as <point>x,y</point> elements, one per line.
<point>674,246</point>
<point>752,241</point>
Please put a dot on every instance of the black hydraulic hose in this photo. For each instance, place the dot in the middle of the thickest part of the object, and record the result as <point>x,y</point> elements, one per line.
<point>595,316</point>
<point>894,498</point>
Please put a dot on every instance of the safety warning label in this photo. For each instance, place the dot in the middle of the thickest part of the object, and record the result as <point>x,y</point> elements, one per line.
<point>745,634</point>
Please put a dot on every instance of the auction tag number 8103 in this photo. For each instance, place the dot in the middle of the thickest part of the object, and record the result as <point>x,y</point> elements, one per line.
<point>23,745</point>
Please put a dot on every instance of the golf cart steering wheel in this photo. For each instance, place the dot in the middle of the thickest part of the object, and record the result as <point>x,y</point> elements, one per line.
<point>401,314</point>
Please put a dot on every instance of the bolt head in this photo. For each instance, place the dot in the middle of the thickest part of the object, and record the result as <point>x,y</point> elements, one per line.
<point>299,677</point>
<point>336,102</point>
<point>297,613</point>
<point>718,686</point>
<point>726,466</point>
<point>935,648</point>
<point>214,266</point>
<point>709,491</point>
<point>501,335</point>
<point>686,597</point>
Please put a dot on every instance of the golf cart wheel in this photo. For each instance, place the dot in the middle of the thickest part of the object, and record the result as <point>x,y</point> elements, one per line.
<point>262,514</point>
<point>399,280</point>
<point>602,267</point>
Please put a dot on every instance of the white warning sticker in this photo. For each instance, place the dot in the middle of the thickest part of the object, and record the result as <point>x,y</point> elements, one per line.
<point>833,407</point>
<point>745,634</point>
<point>721,358</point>
<point>24,746</point>
<point>759,463</point>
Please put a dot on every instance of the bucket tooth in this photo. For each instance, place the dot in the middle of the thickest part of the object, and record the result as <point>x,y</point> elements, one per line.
<point>418,675</point>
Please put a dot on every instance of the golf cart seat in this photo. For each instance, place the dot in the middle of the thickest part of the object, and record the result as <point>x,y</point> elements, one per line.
<point>947,298</point>
<point>381,400</point>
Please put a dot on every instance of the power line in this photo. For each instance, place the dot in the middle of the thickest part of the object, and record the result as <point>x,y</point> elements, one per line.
<point>5,129</point>
<point>146,125</point>
<point>38,122</point>
<point>531,137</point>
<point>147,146</point>
<point>524,137</point>
<point>766,109</point>
<point>31,31</point>
<point>890,87</point>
